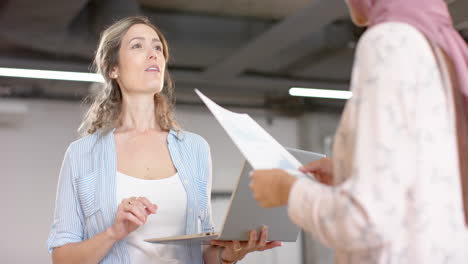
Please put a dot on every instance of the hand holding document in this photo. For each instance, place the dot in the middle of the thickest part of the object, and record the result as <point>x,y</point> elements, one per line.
<point>259,148</point>
<point>261,151</point>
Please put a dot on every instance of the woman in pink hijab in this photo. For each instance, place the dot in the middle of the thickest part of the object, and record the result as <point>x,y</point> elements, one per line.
<point>396,188</point>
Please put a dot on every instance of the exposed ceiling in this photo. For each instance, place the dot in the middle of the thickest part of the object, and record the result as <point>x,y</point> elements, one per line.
<point>241,52</point>
<point>265,9</point>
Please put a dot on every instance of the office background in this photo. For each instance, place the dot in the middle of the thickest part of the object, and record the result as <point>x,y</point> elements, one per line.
<point>244,54</point>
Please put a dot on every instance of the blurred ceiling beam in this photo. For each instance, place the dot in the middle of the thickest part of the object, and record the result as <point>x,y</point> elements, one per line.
<point>292,29</point>
<point>61,27</point>
<point>459,11</point>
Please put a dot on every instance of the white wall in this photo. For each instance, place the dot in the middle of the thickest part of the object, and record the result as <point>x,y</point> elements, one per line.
<point>316,132</point>
<point>31,153</point>
<point>30,158</point>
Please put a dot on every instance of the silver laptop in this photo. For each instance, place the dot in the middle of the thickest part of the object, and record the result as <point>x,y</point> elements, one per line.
<point>245,214</point>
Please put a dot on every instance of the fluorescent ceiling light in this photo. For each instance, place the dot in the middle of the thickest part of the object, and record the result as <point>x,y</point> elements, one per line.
<point>52,75</point>
<point>320,93</point>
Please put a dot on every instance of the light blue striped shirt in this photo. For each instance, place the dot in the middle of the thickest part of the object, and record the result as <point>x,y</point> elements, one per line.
<point>86,193</point>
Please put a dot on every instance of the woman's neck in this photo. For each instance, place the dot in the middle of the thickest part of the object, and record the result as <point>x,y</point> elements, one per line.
<point>138,114</point>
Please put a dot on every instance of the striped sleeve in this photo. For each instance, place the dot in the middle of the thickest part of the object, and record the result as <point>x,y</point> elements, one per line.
<point>207,173</point>
<point>67,224</point>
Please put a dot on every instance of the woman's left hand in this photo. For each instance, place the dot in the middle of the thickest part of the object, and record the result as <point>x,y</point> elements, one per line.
<point>236,250</point>
<point>271,187</point>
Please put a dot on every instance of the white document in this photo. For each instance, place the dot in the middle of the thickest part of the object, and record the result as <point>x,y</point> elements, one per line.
<point>259,148</point>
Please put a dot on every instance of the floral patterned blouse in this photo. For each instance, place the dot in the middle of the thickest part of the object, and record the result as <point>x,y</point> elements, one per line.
<point>397,193</point>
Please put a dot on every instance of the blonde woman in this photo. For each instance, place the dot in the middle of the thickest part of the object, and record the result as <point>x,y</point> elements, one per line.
<point>135,174</point>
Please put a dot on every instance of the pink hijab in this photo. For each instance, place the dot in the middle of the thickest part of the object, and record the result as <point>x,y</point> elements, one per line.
<point>433,19</point>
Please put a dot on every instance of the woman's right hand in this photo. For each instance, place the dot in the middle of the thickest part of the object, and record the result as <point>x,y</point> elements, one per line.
<point>131,214</point>
<point>322,169</point>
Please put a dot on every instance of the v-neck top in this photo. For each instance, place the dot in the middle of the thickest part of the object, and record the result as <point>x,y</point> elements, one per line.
<point>86,202</point>
<point>170,197</point>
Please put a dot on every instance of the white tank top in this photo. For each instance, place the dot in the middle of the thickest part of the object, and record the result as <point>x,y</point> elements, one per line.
<point>170,197</point>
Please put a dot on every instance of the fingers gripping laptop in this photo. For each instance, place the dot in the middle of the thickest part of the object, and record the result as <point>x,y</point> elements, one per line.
<point>245,214</point>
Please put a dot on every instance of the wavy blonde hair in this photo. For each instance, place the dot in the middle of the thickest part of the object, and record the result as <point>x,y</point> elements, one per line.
<point>104,112</point>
